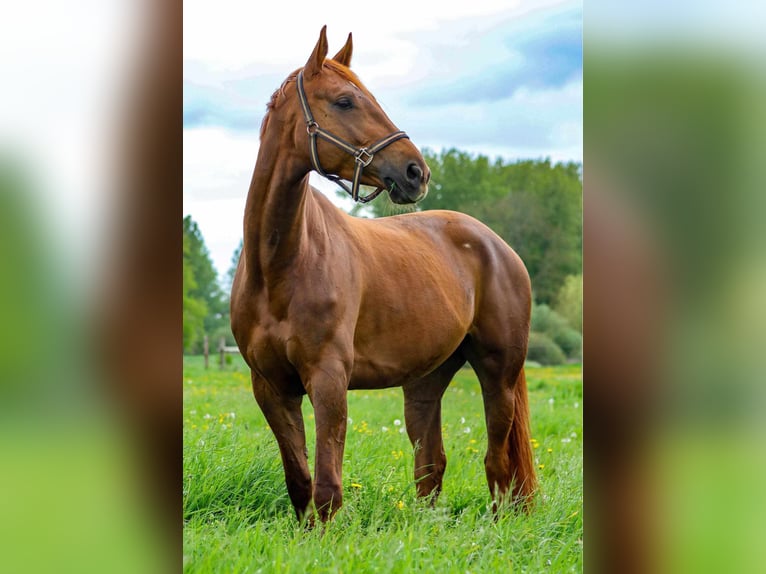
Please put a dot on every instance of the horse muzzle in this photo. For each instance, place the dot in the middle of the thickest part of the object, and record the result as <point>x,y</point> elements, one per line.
<point>409,185</point>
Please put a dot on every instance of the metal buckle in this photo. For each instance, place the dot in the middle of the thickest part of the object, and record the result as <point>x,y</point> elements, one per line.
<point>311,127</point>
<point>359,159</point>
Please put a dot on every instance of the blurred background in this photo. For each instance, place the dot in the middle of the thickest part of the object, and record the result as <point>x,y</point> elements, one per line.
<point>90,318</point>
<point>91,327</point>
<point>674,111</point>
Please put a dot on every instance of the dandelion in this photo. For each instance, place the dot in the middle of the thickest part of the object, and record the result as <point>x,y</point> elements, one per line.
<point>467,430</point>
<point>356,485</point>
<point>550,450</point>
<point>400,504</point>
<point>207,416</point>
<point>462,420</point>
<point>384,429</point>
<point>397,422</point>
<point>541,466</point>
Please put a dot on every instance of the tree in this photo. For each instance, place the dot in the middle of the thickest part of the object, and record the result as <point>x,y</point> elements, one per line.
<point>233,269</point>
<point>205,277</point>
<point>194,308</point>
<point>540,216</point>
<point>201,285</point>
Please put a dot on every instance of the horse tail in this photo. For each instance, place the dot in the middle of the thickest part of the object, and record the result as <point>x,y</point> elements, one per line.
<point>520,447</point>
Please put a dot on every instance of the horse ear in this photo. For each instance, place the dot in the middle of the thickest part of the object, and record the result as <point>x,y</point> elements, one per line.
<point>344,56</point>
<point>314,64</point>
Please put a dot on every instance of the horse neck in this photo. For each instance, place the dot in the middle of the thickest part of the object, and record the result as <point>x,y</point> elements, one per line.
<point>278,206</point>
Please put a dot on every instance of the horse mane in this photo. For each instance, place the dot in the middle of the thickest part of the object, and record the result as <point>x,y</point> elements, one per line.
<point>337,67</point>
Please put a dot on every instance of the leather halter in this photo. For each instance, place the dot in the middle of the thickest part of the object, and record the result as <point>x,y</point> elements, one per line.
<point>362,155</point>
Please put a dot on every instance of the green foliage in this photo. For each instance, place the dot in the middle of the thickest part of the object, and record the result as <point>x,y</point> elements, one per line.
<point>222,332</point>
<point>536,207</point>
<point>543,349</point>
<point>570,342</point>
<point>237,516</point>
<point>202,293</point>
<point>552,330</point>
<point>233,269</point>
<point>569,301</point>
<point>546,320</point>
<point>194,308</point>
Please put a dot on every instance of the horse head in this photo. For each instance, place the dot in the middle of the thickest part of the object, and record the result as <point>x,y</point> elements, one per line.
<point>350,135</point>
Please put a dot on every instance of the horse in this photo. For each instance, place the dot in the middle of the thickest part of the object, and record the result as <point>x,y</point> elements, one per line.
<point>323,303</point>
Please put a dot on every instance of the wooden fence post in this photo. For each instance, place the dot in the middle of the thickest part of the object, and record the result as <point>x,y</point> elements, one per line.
<point>222,347</point>
<point>206,349</point>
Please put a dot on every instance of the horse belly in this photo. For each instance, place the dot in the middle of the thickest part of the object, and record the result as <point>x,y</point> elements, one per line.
<point>404,353</point>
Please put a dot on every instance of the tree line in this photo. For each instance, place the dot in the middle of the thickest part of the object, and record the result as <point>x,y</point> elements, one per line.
<point>534,205</point>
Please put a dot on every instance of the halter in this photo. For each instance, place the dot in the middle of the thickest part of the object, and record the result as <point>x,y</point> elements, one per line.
<point>362,155</point>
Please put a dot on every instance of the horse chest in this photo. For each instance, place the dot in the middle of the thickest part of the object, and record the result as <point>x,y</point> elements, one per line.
<point>267,356</point>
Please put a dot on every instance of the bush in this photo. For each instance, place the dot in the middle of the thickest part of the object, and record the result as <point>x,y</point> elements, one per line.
<point>546,320</point>
<point>570,342</point>
<point>569,301</point>
<point>542,349</point>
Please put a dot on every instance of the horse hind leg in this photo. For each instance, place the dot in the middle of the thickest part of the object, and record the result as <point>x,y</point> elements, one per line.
<point>283,413</point>
<point>509,462</point>
<point>422,416</point>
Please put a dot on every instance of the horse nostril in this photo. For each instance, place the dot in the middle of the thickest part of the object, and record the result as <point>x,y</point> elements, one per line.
<point>414,173</point>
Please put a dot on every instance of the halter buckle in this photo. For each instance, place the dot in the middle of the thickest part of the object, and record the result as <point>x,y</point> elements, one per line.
<point>361,160</point>
<point>312,127</point>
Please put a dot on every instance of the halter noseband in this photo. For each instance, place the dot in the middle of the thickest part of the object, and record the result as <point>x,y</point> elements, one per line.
<point>362,155</point>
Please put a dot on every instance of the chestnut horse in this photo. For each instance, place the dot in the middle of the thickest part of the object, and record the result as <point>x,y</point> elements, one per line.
<point>323,302</point>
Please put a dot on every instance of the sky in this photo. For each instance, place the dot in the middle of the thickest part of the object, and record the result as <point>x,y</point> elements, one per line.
<point>500,78</point>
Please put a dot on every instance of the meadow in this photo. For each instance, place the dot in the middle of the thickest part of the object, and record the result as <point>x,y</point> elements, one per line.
<point>238,518</point>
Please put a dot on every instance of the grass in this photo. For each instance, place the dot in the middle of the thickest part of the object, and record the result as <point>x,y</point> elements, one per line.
<point>238,518</point>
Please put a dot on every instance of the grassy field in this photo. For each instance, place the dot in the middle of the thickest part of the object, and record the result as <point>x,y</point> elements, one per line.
<point>238,518</point>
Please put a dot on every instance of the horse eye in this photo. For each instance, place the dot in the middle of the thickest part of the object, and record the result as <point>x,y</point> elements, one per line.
<point>344,103</point>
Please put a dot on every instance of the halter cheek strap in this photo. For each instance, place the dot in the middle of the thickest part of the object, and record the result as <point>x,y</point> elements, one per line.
<point>362,155</point>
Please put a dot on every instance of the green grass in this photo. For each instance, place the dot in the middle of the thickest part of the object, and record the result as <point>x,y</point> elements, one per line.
<point>238,518</point>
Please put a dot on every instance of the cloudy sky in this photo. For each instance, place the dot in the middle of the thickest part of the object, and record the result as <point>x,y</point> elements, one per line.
<point>501,78</point>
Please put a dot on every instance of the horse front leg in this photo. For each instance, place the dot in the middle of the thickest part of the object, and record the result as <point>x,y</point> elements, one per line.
<point>327,389</point>
<point>283,413</point>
